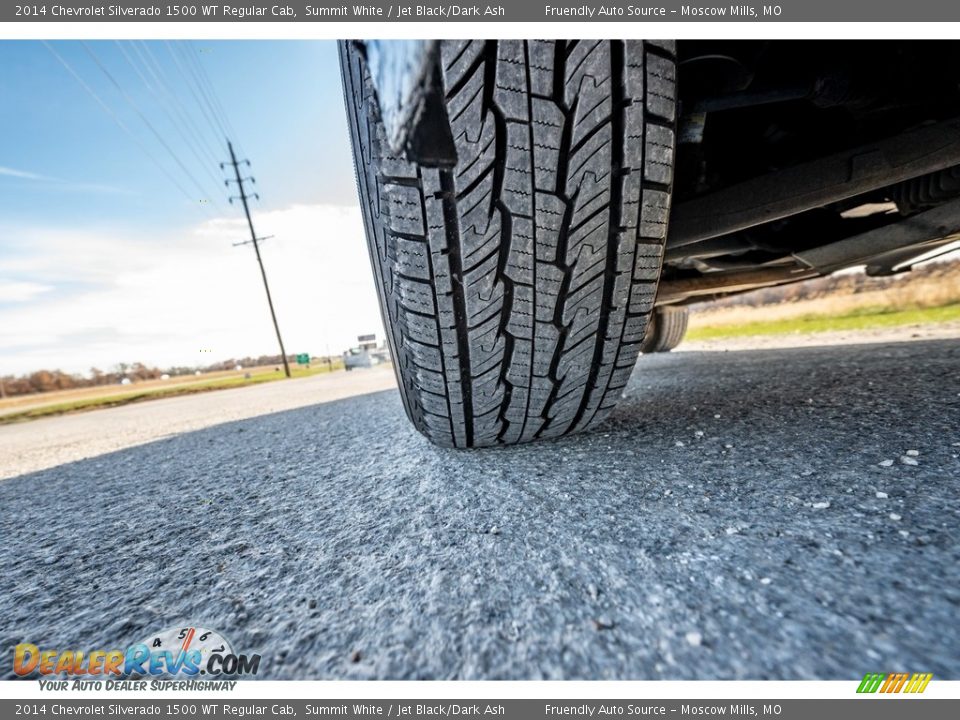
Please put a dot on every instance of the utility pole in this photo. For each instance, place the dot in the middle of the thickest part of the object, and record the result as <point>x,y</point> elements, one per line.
<point>254,240</point>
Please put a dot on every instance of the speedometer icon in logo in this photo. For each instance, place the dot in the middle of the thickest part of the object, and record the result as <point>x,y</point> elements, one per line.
<point>187,650</point>
<point>190,638</point>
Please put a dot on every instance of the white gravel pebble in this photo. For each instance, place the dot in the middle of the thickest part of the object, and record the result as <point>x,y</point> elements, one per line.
<point>882,495</point>
<point>907,460</point>
<point>694,638</point>
<point>905,533</point>
<point>885,463</point>
<point>765,581</point>
<point>894,516</point>
<point>699,433</point>
<point>679,443</point>
<point>821,505</point>
<point>913,453</point>
<point>732,531</point>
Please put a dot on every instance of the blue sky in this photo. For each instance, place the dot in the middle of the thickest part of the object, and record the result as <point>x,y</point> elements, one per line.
<point>103,258</point>
<point>283,98</point>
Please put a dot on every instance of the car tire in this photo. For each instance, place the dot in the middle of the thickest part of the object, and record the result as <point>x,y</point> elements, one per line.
<point>666,329</point>
<point>517,274</point>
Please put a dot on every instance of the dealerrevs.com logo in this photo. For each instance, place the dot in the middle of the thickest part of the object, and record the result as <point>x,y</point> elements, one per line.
<point>179,652</point>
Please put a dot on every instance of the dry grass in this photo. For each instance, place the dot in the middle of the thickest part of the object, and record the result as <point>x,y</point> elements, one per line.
<point>59,402</point>
<point>85,393</point>
<point>933,286</point>
<point>863,319</point>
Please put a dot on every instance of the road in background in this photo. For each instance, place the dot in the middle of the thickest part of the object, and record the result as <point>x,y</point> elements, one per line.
<point>149,389</point>
<point>756,514</point>
<point>48,442</point>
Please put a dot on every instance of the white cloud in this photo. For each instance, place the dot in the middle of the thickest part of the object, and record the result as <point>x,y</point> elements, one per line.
<point>60,183</point>
<point>16,292</point>
<point>161,300</point>
<point>22,174</point>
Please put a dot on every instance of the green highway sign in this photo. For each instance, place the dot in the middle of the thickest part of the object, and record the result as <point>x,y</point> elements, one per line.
<point>303,358</point>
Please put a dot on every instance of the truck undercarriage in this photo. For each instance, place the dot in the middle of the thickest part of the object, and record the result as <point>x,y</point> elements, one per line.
<point>796,159</point>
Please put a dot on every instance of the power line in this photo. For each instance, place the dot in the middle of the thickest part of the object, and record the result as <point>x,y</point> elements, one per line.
<point>204,118</point>
<point>166,99</point>
<point>153,65</point>
<point>202,103</point>
<point>192,58</point>
<point>186,138</point>
<point>218,105</point>
<point>243,197</point>
<point>107,109</point>
<point>195,77</point>
<point>144,118</point>
<point>192,67</point>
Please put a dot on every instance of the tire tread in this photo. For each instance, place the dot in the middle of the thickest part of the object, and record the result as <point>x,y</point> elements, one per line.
<point>517,285</point>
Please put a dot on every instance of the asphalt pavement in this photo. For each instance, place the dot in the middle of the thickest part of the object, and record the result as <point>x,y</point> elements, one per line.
<point>781,514</point>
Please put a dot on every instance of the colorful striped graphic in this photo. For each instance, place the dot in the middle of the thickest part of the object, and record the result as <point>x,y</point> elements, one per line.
<point>894,682</point>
